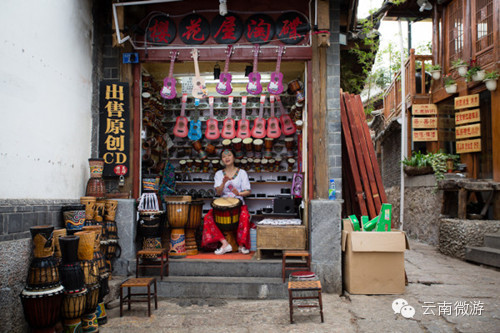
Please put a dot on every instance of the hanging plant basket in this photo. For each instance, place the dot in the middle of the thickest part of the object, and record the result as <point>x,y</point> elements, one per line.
<point>436,75</point>
<point>491,85</point>
<point>451,89</point>
<point>462,70</point>
<point>479,76</point>
<point>417,171</point>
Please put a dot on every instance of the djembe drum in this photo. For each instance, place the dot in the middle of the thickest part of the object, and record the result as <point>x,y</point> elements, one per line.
<point>73,306</point>
<point>149,229</point>
<point>74,217</point>
<point>42,308</point>
<point>194,221</point>
<point>90,208</point>
<point>43,272</point>
<point>95,185</point>
<point>226,212</point>
<point>89,318</point>
<point>56,234</point>
<point>177,216</point>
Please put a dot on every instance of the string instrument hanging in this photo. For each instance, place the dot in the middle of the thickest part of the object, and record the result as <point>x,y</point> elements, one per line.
<point>199,87</point>
<point>195,124</point>
<point>224,86</point>
<point>212,131</point>
<point>180,128</point>
<point>228,131</point>
<point>168,91</point>
<point>259,123</point>
<point>254,86</point>
<point>287,125</point>
<point>275,85</point>
<point>243,123</point>
<point>273,127</point>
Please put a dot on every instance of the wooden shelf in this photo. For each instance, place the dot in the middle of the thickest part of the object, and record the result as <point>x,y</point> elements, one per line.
<point>211,182</point>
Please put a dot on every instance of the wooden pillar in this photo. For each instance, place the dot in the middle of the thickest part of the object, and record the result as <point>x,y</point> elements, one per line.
<point>136,140</point>
<point>495,132</point>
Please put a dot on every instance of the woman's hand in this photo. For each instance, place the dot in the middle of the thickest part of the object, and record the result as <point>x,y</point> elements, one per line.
<point>236,192</point>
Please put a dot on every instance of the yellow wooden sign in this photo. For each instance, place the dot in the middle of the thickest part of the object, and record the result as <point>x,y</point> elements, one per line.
<point>429,135</point>
<point>466,117</point>
<point>468,131</point>
<point>424,109</point>
<point>424,122</point>
<point>468,146</point>
<point>465,102</point>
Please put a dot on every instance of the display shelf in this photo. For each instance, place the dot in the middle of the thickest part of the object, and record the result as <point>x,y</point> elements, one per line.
<point>211,182</point>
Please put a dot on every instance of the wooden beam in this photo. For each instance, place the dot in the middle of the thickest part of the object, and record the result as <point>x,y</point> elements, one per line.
<point>137,122</point>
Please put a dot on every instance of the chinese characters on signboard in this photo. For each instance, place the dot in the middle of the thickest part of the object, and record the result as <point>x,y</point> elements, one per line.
<point>194,29</point>
<point>428,123</point>
<point>114,130</point>
<point>472,129</point>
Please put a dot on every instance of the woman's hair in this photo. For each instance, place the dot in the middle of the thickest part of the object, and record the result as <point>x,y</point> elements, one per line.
<point>227,149</point>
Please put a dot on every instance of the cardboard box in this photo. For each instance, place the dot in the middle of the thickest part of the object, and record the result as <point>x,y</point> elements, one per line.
<point>373,261</point>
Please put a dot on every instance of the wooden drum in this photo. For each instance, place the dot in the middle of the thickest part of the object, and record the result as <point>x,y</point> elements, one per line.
<point>42,308</point>
<point>226,213</point>
<point>177,216</point>
<point>194,221</point>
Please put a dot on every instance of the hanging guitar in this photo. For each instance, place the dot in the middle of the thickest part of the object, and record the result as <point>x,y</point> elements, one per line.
<point>181,123</point>
<point>253,86</point>
<point>259,123</point>
<point>243,123</point>
<point>168,90</point>
<point>224,86</point>
<point>228,131</point>
<point>199,87</point>
<point>212,131</point>
<point>287,125</point>
<point>273,124</point>
<point>195,124</point>
<point>275,85</point>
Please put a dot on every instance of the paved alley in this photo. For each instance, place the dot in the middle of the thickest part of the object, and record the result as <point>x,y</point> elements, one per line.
<point>447,294</point>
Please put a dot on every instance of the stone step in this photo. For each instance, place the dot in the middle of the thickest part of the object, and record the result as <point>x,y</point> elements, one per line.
<point>229,268</point>
<point>492,240</point>
<point>483,255</point>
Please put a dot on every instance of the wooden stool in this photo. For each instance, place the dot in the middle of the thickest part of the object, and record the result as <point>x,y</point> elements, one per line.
<point>310,286</point>
<point>295,266</point>
<point>161,254</point>
<point>138,282</point>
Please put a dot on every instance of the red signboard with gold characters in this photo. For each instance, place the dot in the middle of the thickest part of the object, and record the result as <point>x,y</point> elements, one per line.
<point>114,129</point>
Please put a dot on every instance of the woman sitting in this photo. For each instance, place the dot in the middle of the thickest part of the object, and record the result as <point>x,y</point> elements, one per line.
<point>229,182</point>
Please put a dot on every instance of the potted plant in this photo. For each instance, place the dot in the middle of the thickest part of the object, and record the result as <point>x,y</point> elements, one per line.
<point>475,73</point>
<point>490,80</point>
<point>460,66</point>
<point>435,70</point>
<point>450,85</point>
<point>417,164</point>
<point>442,162</point>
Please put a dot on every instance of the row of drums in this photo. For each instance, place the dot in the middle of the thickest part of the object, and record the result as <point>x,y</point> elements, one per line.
<point>71,287</point>
<point>184,217</point>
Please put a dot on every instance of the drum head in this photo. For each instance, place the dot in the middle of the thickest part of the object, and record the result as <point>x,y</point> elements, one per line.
<point>226,202</point>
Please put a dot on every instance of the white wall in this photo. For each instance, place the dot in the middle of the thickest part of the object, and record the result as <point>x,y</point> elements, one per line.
<point>45,98</point>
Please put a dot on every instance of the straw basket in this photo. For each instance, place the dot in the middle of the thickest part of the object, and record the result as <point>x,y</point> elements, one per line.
<point>86,244</point>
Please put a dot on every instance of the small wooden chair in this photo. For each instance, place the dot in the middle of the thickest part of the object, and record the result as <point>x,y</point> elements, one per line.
<point>309,286</point>
<point>295,266</point>
<point>144,259</point>
<point>136,283</point>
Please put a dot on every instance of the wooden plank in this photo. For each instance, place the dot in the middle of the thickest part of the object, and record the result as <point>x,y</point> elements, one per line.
<point>424,109</point>
<point>466,117</point>
<point>424,122</point>
<point>467,131</point>
<point>346,131</point>
<point>468,101</point>
<point>427,135</point>
<point>358,149</point>
<point>468,146</point>
<point>372,156</point>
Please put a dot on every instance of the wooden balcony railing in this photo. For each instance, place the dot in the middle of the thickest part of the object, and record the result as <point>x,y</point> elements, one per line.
<point>392,96</point>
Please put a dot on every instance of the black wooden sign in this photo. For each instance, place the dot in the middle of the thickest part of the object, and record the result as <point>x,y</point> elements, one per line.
<point>259,29</point>
<point>226,29</point>
<point>291,28</point>
<point>194,29</point>
<point>161,30</point>
<point>114,126</point>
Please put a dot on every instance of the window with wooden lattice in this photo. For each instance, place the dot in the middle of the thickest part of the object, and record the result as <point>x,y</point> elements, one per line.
<point>484,24</point>
<point>455,30</point>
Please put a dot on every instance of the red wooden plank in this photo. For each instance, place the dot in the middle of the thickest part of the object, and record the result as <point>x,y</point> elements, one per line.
<point>358,149</point>
<point>364,149</point>
<point>358,188</point>
<point>371,150</point>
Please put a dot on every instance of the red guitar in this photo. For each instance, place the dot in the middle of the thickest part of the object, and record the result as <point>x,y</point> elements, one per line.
<point>180,128</point>
<point>168,90</point>
<point>212,131</point>
<point>199,87</point>
<point>275,85</point>
<point>253,86</point>
<point>243,123</point>
<point>224,86</point>
<point>228,131</point>
<point>287,125</point>
<point>259,124</point>
<point>273,124</point>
